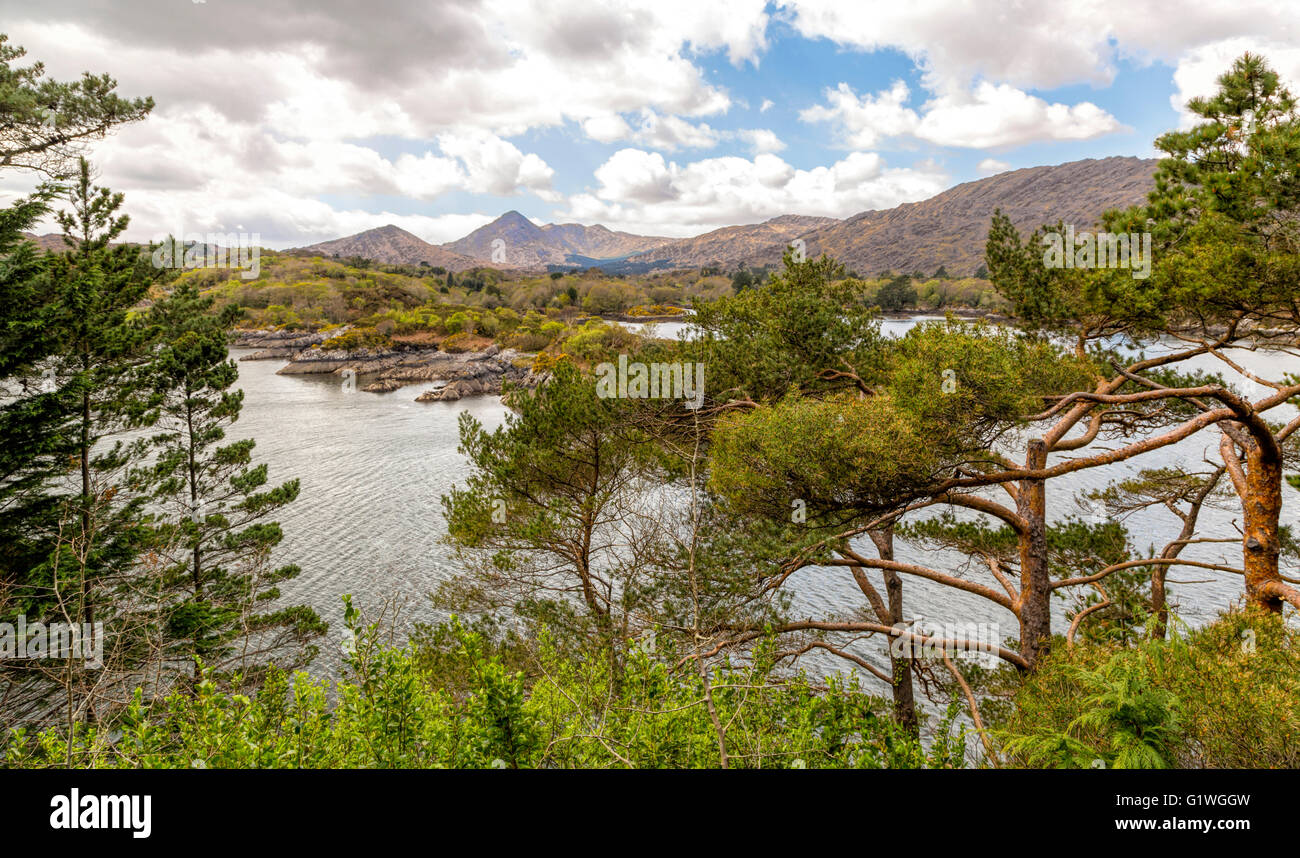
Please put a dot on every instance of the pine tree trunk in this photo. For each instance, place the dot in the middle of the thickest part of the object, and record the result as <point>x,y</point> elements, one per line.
<point>1262,507</point>
<point>1035,578</point>
<point>900,667</point>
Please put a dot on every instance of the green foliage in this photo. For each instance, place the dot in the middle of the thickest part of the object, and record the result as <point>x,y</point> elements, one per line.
<point>968,383</point>
<point>536,520</point>
<point>45,120</point>
<point>841,455</point>
<point>897,294</point>
<point>37,440</point>
<point>784,335</point>
<point>458,343</point>
<point>210,507</point>
<point>388,714</point>
<point>1224,696</point>
<point>598,341</point>
<point>1131,723</point>
<point>356,339</point>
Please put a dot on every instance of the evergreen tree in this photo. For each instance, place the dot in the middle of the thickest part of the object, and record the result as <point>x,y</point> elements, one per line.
<point>43,121</point>
<point>212,507</point>
<point>34,450</point>
<point>102,350</point>
<point>897,294</point>
<point>550,497</point>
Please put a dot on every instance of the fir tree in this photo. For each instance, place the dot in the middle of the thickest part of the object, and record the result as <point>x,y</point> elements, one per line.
<point>212,507</point>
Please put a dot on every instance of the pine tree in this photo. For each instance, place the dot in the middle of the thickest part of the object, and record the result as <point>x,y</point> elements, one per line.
<point>33,448</point>
<point>96,285</point>
<point>212,506</point>
<point>43,121</point>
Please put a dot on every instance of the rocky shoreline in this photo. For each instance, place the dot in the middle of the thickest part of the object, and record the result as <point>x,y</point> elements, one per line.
<point>480,373</point>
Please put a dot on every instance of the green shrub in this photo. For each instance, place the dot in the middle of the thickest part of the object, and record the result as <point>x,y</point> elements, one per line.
<point>525,341</point>
<point>458,343</point>
<point>358,338</point>
<point>1224,696</point>
<point>390,712</point>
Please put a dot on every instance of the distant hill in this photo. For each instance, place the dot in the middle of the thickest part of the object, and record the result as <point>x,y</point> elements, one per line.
<point>951,228</point>
<point>731,246</point>
<point>514,241</point>
<point>392,245</point>
<point>49,241</point>
<point>948,229</point>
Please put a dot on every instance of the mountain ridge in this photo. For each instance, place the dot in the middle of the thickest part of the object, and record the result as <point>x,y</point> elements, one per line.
<point>948,229</point>
<point>515,241</point>
<point>391,245</point>
<point>951,228</point>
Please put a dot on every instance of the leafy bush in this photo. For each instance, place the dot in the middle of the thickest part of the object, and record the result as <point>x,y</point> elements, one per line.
<point>389,712</point>
<point>458,343</point>
<point>526,341</point>
<point>597,340</point>
<point>358,338</point>
<point>1224,696</point>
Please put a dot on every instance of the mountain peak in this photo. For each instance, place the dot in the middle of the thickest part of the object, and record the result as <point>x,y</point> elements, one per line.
<point>392,245</point>
<point>513,216</point>
<point>388,229</point>
<point>514,241</point>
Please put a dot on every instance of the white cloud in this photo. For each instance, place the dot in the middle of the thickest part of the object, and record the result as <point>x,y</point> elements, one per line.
<point>672,132</point>
<point>1032,45</point>
<point>642,191</point>
<point>265,107</point>
<point>862,122</point>
<point>606,129</point>
<point>281,220</point>
<point>1001,115</point>
<point>496,166</point>
<point>992,166</point>
<point>350,72</point>
<point>990,116</point>
<point>171,165</point>
<point>761,140</point>
<point>637,176</point>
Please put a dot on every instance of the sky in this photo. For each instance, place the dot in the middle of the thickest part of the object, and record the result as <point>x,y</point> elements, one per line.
<point>305,120</point>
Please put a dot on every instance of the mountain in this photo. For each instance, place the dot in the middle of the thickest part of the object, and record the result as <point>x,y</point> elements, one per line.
<point>950,229</point>
<point>517,242</point>
<point>392,245</point>
<point>731,246</point>
<point>48,241</point>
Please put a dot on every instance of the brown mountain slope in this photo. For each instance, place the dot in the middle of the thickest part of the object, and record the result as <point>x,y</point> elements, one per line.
<point>391,245</point>
<point>950,229</point>
<point>48,241</point>
<point>524,244</point>
<point>731,246</point>
<point>600,242</point>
